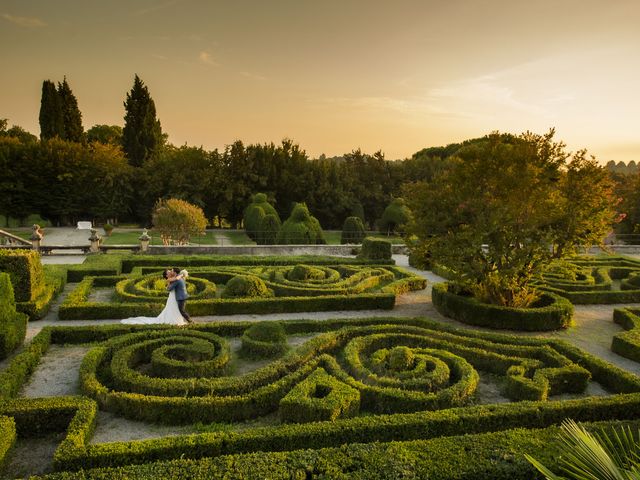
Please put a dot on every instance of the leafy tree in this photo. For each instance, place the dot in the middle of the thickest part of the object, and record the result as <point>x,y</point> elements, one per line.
<point>396,215</point>
<point>71,116</point>
<point>300,228</point>
<point>142,134</point>
<point>494,215</point>
<point>177,221</point>
<point>51,114</point>
<point>107,134</point>
<point>352,230</point>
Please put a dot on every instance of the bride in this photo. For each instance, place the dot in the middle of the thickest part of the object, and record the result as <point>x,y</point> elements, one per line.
<point>170,314</point>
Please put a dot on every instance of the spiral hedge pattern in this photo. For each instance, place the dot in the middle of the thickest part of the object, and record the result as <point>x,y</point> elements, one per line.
<point>178,376</point>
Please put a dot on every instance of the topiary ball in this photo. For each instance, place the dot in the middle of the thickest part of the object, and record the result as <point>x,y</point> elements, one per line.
<point>246,286</point>
<point>264,340</point>
<point>401,359</point>
<point>301,273</point>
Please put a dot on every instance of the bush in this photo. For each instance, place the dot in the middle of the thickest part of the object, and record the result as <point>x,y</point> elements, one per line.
<point>264,340</point>
<point>25,270</point>
<point>268,230</point>
<point>319,397</point>
<point>302,273</point>
<point>396,215</point>
<point>300,228</point>
<point>255,214</point>
<point>375,249</point>
<point>352,230</point>
<point>246,286</point>
<point>13,324</point>
<point>7,439</point>
<point>177,221</point>
<point>550,313</point>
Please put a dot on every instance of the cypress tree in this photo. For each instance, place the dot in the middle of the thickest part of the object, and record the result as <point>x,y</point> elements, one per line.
<point>71,116</point>
<point>51,118</point>
<point>142,133</point>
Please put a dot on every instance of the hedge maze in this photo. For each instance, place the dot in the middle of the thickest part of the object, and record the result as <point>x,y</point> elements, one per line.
<point>253,285</point>
<point>352,382</point>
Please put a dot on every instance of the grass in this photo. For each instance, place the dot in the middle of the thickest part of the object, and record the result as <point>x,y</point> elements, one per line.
<point>238,237</point>
<point>130,237</point>
<point>20,232</point>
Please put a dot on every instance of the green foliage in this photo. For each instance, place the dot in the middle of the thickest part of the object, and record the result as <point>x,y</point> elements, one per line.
<point>13,324</point>
<point>586,455</point>
<point>301,273</point>
<point>319,397</point>
<point>255,213</point>
<point>7,438</point>
<point>142,134</point>
<point>106,134</point>
<point>26,273</point>
<point>375,249</point>
<point>71,116</point>
<point>401,358</point>
<point>395,216</point>
<point>511,194</point>
<point>264,340</point>
<point>177,221</point>
<point>268,230</point>
<point>51,112</point>
<point>300,228</point>
<point>352,230</point>
<point>551,312</point>
<point>246,286</point>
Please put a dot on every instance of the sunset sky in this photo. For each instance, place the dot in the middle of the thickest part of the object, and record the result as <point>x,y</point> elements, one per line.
<point>337,75</point>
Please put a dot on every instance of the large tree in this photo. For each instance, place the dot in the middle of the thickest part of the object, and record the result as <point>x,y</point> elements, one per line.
<point>106,134</point>
<point>51,116</point>
<point>504,207</point>
<point>71,116</point>
<point>142,134</point>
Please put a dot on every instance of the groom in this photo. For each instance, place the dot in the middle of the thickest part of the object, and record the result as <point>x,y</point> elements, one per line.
<point>178,284</point>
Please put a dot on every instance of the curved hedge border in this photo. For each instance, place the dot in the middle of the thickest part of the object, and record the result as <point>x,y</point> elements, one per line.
<point>556,314</point>
<point>627,343</point>
<point>40,415</point>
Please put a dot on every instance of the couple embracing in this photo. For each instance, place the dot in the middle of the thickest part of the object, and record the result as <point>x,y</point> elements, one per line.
<point>174,312</point>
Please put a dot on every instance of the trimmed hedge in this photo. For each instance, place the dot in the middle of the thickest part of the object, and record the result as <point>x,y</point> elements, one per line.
<point>13,324</point>
<point>352,231</point>
<point>301,228</point>
<point>627,343</point>
<point>7,438</point>
<point>246,286</point>
<point>375,249</point>
<point>264,340</point>
<point>25,270</point>
<point>319,397</point>
<point>556,312</point>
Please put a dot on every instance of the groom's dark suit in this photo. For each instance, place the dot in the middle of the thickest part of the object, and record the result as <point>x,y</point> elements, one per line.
<point>180,287</point>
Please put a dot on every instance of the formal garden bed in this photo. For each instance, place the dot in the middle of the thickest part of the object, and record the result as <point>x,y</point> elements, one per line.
<point>221,285</point>
<point>356,380</point>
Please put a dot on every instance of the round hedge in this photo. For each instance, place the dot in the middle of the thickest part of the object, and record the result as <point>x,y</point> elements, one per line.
<point>242,286</point>
<point>301,273</point>
<point>268,229</point>
<point>301,228</point>
<point>395,215</point>
<point>152,289</point>
<point>264,340</point>
<point>551,312</point>
<point>352,230</point>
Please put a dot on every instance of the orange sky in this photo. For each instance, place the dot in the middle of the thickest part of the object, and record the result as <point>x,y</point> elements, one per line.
<point>337,75</point>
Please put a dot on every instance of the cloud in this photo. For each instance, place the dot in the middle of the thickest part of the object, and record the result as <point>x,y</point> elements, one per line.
<point>26,22</point>
<point>207,59</point>
<point>253,76</point>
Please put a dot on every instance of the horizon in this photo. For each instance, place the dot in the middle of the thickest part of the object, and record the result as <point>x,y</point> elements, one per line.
<point>333,77</point>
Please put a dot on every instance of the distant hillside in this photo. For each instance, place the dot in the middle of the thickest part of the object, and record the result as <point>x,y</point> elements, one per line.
<point>622,168</point>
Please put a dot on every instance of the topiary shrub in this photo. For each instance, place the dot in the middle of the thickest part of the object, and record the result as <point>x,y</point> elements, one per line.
<point>352,230</point>
<point>301,228</point>
<point>25,270</point>
<point>246,286</point>
<point>375,249</point>
<point>264,340</point>
<point>13,324</point>
<point>269,228</point>
<point>394,216</point>
<point>301,273</point>
<point>255,213</point>
<point>401,358</point>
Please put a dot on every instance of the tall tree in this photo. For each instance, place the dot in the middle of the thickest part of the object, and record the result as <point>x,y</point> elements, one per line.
<point>71,116</point>
<point>142,134</point>
<point>51,118</point>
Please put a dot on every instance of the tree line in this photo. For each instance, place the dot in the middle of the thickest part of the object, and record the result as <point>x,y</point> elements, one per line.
<point>113,173</point>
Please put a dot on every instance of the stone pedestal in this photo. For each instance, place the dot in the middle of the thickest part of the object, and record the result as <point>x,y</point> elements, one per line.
<point>144,241</point>
<point>95,241</point>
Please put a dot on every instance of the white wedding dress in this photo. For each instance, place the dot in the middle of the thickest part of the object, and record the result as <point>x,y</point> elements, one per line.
<point>169,316</point>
